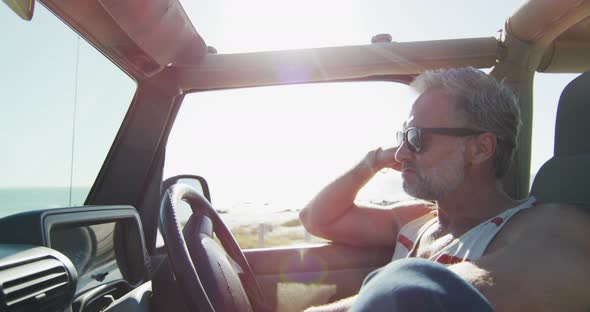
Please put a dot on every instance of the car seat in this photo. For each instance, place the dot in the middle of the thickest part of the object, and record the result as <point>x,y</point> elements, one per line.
<point>565,178</point>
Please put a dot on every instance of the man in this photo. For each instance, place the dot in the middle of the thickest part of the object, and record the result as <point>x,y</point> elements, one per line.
<point>455,146</point>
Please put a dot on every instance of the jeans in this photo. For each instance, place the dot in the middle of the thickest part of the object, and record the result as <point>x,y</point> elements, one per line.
<point>417,285</point>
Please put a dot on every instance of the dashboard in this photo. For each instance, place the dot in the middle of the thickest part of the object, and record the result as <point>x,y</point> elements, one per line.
<point>82,257</point>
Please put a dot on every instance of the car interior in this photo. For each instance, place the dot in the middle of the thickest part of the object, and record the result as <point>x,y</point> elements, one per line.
<point>138,239</point>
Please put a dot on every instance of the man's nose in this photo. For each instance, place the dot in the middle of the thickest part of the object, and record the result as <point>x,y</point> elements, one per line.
<point>403,153</point>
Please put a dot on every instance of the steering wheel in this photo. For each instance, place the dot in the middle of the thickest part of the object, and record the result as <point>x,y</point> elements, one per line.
<point>211,277</point>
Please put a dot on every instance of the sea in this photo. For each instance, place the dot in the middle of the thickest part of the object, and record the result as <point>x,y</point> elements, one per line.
<point>383,190</point>
<point>13,200</point>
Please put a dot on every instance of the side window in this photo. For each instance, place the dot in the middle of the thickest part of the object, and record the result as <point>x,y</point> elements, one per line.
<point>266,152</point>
<point>61,105</point>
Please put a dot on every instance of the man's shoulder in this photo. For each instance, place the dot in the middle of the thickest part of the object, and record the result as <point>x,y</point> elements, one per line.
<point>418,206</point>
<point>542,251</point>
<point>552,216</point>
<point>402,212</point>
<point>559,221</point>
<point>406,211</point>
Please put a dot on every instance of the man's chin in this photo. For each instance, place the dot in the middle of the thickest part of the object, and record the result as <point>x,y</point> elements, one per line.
<point>410,189</point>
<point>415,192</point>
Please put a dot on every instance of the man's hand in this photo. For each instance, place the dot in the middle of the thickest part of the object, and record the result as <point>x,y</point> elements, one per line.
<point>383,158</point>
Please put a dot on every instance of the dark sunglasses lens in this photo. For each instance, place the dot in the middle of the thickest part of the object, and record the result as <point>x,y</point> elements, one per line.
<point>413,138</point>
<point>400,137</point>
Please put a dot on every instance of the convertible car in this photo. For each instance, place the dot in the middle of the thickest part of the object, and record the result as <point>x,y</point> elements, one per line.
<point>149,166</point>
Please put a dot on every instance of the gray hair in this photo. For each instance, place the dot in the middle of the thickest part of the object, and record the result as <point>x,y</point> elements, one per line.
<point>484,103</point>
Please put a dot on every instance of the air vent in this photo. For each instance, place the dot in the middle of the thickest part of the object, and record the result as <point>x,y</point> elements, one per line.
<point>34,286</point>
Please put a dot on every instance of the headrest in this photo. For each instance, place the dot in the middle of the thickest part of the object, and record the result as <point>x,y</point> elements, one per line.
<point>565,178</point>
<point>573,118</point>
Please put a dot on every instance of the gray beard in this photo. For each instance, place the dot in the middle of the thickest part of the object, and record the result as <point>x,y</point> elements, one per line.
<point>442,180</point>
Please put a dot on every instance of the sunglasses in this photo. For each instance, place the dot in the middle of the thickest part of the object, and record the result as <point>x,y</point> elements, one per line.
<point>413,136</point>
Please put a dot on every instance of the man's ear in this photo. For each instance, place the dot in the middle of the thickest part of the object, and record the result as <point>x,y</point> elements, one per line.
<point>482,147</point>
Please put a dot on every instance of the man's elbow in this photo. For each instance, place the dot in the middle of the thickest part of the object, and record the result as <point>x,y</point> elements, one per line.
<point>308,222</point>
<point>304,217</point>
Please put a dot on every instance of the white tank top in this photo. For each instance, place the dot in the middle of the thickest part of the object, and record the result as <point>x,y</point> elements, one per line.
<point>470,246</point>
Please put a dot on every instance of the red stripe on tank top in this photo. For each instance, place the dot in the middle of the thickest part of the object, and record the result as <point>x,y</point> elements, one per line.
<point>497,221</point>
<point>406,242</point>
<point>447,259</point>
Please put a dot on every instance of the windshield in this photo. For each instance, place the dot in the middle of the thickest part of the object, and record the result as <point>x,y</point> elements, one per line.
<point>61,105</point>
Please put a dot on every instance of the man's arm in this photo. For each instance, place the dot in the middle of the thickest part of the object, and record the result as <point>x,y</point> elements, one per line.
<point>333,215</point>
<point>539,262</point>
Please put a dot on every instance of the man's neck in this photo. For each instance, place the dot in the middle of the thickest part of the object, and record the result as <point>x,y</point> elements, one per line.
<point>470,205</point>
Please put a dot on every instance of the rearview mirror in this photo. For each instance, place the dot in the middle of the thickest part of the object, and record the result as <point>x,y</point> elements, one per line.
<point>23,8</point>
<point>197,182</point>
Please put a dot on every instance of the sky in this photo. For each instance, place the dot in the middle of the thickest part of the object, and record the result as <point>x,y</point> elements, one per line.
<point>234,26</point>
<point>244,26</point>
<point>247,26</point>
<point>92,99</point>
